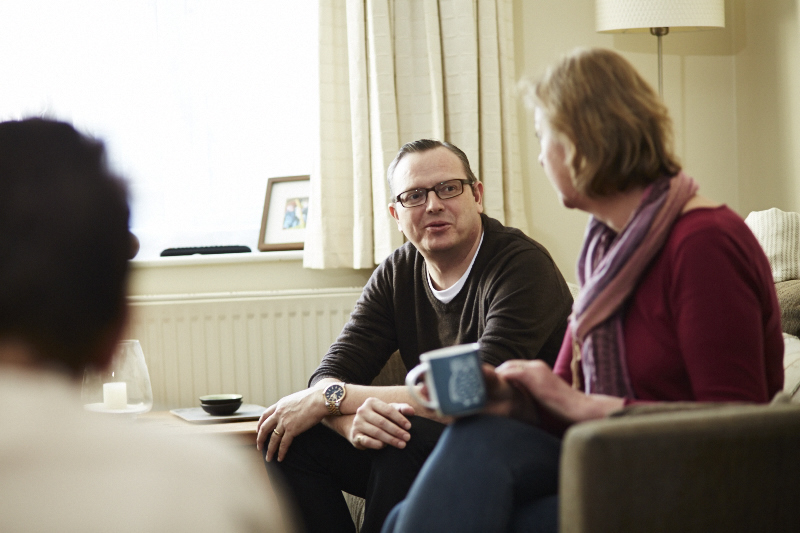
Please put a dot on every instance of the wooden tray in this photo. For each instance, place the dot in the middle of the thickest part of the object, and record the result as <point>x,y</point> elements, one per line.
<point>197,415</point>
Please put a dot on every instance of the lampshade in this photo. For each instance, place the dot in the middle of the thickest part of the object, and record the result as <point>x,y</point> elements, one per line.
<point>629,16</point>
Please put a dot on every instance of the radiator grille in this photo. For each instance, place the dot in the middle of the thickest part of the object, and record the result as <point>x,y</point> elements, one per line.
<point>261,345</point>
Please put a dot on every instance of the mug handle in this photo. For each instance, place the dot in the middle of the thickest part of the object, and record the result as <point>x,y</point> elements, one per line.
<point>411,382</point>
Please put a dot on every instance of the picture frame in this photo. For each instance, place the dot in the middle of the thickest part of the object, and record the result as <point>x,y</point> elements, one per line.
<point>283,224</point>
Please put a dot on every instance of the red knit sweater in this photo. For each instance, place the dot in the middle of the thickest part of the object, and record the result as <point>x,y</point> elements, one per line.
<point>704,322</point>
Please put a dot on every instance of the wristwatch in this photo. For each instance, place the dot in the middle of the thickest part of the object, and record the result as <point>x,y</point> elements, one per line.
<point>334,394</point>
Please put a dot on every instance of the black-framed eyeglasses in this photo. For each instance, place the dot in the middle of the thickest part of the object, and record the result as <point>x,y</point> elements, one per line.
<point>444,190</point>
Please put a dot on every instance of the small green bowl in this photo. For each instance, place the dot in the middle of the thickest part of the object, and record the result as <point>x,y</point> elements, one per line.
<point>221,404</point>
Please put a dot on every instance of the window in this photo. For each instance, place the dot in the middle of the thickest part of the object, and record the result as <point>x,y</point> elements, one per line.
<point>199,102</point>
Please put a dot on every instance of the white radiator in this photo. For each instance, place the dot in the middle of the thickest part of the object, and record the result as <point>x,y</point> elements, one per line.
<point>263,345</point>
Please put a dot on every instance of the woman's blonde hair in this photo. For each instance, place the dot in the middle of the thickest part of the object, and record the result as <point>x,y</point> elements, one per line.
<point>616,132</point>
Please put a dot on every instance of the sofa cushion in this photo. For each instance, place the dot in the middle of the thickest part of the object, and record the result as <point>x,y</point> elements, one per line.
<point>393,372</point>
<point>778,233</point>
<point>789,302</point>
<point>791,366</point>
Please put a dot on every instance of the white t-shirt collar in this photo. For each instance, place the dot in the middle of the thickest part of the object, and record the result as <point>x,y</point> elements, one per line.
<point>446,296</point>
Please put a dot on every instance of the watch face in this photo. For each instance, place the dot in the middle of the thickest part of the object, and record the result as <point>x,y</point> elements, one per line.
<point>334,393</point>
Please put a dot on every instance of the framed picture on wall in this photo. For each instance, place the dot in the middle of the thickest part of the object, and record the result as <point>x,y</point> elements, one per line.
<point>283,225</point>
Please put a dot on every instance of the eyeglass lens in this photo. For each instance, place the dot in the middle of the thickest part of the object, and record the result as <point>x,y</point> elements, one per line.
<point>444,190</point>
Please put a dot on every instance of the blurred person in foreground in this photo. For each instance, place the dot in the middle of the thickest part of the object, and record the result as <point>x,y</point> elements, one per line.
<point>64,249</point>
<point>677,303</point>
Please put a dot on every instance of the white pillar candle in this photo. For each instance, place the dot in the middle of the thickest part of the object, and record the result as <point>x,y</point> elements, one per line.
<point>115,395</point>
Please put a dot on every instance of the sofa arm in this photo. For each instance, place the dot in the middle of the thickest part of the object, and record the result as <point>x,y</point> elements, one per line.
<point>732,468</point>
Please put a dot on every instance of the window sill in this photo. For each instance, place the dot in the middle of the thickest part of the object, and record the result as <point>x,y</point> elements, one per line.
<point>218,259</point>
<point>235,273</point>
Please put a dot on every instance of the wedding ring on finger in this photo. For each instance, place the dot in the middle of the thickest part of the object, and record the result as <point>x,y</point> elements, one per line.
<point>278,433</point>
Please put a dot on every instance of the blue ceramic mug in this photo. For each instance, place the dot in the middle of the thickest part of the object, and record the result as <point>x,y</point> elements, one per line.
<point>454,380</point>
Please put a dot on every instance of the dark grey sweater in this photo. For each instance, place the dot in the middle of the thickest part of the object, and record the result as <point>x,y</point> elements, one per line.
<point>515,303</point>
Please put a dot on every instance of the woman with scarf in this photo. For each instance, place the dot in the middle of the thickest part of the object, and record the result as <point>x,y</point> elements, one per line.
<point>676,303</point>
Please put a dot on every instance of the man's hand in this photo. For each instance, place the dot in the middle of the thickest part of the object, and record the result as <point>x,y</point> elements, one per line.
<point>291,416</point>
<point>378,423</point>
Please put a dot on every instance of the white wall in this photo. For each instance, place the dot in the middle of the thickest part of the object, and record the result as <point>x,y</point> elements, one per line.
<point>768,104</point>
<point>699,88</point>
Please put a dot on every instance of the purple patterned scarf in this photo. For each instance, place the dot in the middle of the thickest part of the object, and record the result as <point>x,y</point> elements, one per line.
<point>609,269</point>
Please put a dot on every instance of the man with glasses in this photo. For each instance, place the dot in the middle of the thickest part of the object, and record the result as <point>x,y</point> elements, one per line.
<point>462,277</point>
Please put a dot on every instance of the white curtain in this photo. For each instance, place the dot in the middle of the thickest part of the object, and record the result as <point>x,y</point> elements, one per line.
<point>393,71</point>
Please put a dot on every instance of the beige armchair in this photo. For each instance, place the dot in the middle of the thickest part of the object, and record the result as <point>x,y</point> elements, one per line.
<point>706,469</point>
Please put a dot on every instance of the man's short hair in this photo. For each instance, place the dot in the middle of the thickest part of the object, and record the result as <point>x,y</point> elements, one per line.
<point>423,145</point>
<point>64,242</point>
<point>616,131</point>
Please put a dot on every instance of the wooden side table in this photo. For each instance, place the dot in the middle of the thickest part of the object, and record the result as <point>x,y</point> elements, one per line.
<point>244,432</point>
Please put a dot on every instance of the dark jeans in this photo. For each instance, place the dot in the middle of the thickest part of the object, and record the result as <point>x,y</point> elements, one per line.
<point>487,474</point>
<point>320,464</point>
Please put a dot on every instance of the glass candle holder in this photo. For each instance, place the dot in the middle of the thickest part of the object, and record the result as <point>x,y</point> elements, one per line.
<point>122,388</point>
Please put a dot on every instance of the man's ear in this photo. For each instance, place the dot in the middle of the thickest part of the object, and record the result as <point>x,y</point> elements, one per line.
<point>396,215</point>
<point>477,193</point>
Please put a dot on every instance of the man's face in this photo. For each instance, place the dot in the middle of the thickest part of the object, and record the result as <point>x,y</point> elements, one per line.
<point>438,227</point>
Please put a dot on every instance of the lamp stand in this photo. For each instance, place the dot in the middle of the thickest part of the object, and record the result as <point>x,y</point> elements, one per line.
<point>660,32</point>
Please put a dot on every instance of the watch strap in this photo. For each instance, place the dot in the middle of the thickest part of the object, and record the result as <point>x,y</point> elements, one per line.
<point>333,408</point>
